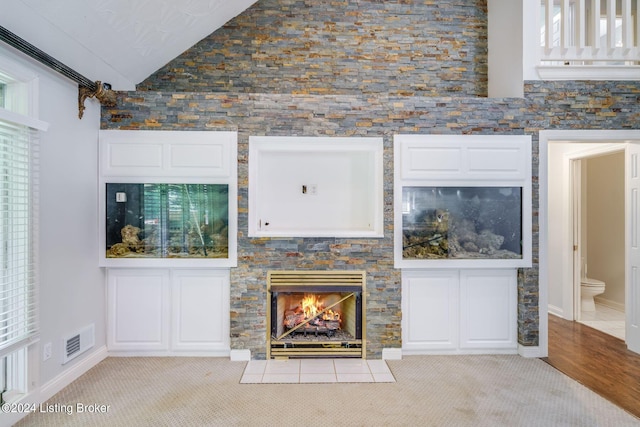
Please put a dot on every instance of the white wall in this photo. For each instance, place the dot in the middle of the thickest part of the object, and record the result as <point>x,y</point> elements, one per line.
<point>605,254</point>
<point>72,292</point>
<point>530,19</point>
<point>513,28</point>
<point>505,44</point>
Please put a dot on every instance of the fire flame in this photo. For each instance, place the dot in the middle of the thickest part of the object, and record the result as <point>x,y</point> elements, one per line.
<point>312,306</point>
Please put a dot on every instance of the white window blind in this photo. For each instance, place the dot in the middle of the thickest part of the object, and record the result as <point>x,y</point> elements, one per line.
<point>18,231</point>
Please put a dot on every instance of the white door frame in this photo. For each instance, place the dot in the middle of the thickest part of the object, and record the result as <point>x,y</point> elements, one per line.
<point>576,227</point>
<point>547,137</point>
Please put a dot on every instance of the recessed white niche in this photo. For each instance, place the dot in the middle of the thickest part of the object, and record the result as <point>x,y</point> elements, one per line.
<point>315,187</point>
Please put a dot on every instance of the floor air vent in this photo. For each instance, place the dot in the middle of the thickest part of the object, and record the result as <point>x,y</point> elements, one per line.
<point>78,343</point>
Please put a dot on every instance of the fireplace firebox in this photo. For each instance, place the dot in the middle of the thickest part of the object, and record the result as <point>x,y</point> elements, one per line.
<point>316,314</point>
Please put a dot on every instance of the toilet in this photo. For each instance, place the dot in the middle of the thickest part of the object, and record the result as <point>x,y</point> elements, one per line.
<point>589,288</point>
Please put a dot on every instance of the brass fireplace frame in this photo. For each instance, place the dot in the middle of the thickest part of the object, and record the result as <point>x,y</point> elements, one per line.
<point>340,280</point>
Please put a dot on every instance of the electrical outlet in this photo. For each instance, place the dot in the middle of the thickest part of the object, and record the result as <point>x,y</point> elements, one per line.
<point>311,189</point>
<point>46,351</point>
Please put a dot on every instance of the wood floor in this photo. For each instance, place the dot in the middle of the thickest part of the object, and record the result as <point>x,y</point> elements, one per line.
<point>597,360</point>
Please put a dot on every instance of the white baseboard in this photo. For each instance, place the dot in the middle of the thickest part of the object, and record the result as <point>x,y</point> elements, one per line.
<point>70,375</point>
<point>608,303</point>
<point>392,354</point>
<point>532,351</point>
<point>458,351</point>
<point>556,311</point>
<point>240,355</point>
<point>168,353</point>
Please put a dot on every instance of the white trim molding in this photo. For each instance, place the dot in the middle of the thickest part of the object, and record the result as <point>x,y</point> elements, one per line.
<point>391,354</point>
<point>243,355</point>
<point>545,138</point>
<point>531,351</point>
<point>588,72</point>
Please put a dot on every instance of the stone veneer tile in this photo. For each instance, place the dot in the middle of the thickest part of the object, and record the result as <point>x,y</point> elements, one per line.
<point>542,108</point>
<point>408,48</point>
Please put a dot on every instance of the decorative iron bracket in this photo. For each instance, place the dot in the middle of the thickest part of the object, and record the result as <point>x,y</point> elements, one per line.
<point>86,88</point>
<point>102,92</point>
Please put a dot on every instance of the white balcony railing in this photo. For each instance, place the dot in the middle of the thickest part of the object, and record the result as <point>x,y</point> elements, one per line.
<point>594,33</point>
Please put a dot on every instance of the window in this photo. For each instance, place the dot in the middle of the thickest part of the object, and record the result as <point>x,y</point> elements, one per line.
<point>18,225</point>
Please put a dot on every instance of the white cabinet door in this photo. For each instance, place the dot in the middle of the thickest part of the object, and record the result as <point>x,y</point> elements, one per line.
<point>488,304</point>
<point>138,308</point>
<point>430,310</point>
<point>459,311</point>
<point>200,305</point>
<point>163,312</point>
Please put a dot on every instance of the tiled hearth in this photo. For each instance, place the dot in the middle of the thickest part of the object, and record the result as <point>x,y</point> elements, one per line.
<point>298,371</point>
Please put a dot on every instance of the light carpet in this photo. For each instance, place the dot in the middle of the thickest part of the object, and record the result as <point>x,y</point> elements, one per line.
<point>491,390</point>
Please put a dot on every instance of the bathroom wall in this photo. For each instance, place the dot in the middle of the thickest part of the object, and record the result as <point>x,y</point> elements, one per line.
<point>605,225</point>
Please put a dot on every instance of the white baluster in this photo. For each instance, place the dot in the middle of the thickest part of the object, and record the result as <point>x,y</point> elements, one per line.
<point>581,25</point>
<point>548,25</point>
<point>565,25</point>
<point>627,26</point>
<point>595,24</point>
<point>611,26</point>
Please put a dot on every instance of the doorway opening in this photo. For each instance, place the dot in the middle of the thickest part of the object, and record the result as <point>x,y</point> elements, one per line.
<point>558,257</point>
<point>598,218</point>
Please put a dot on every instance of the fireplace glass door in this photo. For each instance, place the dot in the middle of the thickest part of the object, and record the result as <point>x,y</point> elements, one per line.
<point>308,318</point>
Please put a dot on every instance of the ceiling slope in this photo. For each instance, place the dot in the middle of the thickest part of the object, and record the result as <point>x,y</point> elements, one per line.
<point>121,42</point>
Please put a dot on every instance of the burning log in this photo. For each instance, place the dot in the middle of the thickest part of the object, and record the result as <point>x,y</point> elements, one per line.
<point>332,324</point>
<point>291,317</point>
<point>319,327</point>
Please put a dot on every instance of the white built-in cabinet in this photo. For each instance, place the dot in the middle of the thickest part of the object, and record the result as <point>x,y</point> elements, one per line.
<point>168,311</point>
<point>453,304</point>
<point>169,306</point>
<point>452,311</point>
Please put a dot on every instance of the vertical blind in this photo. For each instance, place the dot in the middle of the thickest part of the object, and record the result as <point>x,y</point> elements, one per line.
<point>18,231</point>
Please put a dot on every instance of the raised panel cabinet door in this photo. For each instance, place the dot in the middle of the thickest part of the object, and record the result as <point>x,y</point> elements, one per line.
<point>200,310</point>
<point>138,306</point>
<point>430,311</point>
<point>488,309</point>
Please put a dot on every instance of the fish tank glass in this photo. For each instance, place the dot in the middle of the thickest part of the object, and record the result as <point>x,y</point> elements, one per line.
<point>461,223</point>
<point>167,220</point>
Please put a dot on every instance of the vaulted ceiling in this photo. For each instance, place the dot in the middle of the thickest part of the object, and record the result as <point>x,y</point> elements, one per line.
<point>117,41</point>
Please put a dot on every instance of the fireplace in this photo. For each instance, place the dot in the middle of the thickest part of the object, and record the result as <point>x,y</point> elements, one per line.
<point>316,314</point>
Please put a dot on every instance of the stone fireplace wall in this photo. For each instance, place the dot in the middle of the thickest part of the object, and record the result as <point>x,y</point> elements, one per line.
<point>402,48</point>
<point>365,68</point>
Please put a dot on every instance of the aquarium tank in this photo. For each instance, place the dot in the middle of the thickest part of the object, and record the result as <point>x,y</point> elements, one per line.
<point>167,220</point>
<point>461,223</point>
